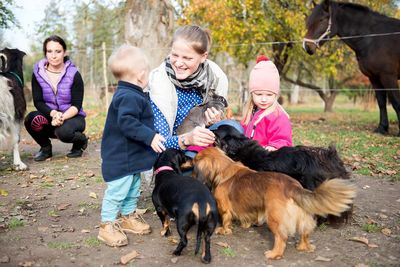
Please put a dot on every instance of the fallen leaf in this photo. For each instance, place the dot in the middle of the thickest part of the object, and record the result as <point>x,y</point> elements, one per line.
<point>89,174</point>
<point>5,259</point>
<point>361,265</point>
<point>85,231</point>
<point>386,231</point>
<point>128,257</point>
<point>141,211</point>
<point>173,240</point>
<point>359,239</point>
<point>63,206</point>
<point>320,258</point>
<point>174,260</point>
<point>365,187</point>
<point>373,246</point>
<point>223,244</point>
<point>3,193</point>
<point>25,264</point>
<point>93,195</point>
<point>43,229</point>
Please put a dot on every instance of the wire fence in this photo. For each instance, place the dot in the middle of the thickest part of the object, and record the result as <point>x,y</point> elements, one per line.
<point>99,82</point>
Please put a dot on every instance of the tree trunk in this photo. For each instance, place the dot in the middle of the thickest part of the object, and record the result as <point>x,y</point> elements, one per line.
<point>149,25</point>
<point>329,101</point>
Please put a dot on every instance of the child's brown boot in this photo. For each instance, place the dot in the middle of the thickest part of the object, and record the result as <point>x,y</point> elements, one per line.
<point>112,235</point>
<point>134,223</point>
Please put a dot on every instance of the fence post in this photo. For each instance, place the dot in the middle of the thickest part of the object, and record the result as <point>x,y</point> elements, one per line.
<point>103,46</point>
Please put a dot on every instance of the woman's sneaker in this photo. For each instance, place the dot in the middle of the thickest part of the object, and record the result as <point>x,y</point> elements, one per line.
<point>112,235</point>
<point>135,224</point>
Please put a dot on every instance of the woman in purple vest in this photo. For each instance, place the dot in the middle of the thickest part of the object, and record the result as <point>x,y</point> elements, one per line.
<point>57,89</point>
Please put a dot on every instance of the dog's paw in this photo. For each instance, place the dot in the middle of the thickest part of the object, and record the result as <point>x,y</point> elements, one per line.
<point>271,255</point>
<point>223,231</point>
<point>165,232</point>
<point>305,247</point>
<point>20,166</point>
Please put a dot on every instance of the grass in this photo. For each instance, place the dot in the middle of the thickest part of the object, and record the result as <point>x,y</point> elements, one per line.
<point>60,245</point>
<point>371,227</point>
<point>85,205</point>
<point>92,242</point>
<point>228,252</point>
<point>15,223</point>
<point>322,227</point>
<point>350,130</point>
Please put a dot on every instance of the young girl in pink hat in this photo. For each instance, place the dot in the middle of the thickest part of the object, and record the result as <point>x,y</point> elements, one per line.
<point>264,119</point>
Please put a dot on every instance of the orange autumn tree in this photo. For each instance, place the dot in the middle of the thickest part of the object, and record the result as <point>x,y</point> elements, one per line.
<point>246,28</point>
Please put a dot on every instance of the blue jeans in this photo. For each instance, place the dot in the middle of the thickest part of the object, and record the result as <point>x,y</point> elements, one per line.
<point>121,196</point>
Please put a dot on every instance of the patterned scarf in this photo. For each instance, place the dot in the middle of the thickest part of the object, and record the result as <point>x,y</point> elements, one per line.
<point>203,79</point>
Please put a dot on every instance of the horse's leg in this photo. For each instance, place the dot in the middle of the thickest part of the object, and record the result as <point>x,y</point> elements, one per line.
<point>394,98</point>
<point>380,95</point>
<point>390,82</point>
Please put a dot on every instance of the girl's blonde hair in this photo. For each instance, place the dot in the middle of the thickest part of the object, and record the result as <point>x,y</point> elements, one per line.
<point>250,108</point>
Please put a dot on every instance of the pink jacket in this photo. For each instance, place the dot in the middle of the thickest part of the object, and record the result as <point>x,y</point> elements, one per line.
<point>274,129</point>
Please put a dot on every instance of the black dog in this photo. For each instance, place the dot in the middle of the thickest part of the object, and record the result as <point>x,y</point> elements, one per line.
<point>187,200</point>
<point>196,116</point>
<point>311,166</point>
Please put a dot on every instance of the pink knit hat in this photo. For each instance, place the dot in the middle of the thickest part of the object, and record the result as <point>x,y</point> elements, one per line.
<point>264,76</point>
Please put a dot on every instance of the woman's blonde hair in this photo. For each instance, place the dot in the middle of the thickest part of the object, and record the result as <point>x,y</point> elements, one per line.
<point>199,38</point>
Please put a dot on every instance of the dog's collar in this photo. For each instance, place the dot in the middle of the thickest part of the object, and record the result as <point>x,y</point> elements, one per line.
<point>163,168</point>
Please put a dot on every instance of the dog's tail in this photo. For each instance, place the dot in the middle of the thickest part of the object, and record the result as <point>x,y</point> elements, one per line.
<point>331,197</point>
<point>208,219</point>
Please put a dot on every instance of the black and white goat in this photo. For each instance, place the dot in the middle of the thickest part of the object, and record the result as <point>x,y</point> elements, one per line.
<point>12,101</point>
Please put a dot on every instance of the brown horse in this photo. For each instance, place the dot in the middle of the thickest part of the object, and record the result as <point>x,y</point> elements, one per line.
<point>374,38</point>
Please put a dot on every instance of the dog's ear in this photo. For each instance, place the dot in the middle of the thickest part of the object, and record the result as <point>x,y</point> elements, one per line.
<point>187,163</point>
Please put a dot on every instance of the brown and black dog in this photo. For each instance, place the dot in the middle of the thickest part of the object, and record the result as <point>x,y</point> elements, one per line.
<point>275,198</point>
<point>187,200</point>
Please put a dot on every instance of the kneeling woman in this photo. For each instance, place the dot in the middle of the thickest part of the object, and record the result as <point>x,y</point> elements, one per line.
<point>57,89</point>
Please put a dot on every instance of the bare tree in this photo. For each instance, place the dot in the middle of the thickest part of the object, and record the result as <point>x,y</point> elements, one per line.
<point>149,25</point>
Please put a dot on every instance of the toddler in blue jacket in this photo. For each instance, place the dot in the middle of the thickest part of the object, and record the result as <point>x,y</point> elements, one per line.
<point>129,146</point>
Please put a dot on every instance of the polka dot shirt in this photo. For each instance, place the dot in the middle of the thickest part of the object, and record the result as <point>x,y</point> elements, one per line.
<point>187,99</point>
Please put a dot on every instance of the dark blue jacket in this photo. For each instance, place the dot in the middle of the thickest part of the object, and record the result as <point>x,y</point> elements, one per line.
<point>128,132</point>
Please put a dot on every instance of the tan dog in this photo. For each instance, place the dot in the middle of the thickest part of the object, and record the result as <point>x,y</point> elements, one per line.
<point>275,198</point>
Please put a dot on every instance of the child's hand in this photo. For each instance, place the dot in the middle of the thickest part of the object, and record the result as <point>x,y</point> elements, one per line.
<point>270,148</point>
<point>156,143</point>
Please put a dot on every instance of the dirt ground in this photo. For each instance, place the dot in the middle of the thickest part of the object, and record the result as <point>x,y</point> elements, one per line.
<point>49,216</point>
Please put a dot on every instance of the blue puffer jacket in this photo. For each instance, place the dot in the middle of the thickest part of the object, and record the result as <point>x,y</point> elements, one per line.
<point>128,132</point>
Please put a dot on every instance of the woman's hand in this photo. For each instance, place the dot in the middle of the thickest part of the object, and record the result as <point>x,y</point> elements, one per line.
<point>156,143</point>
<point>57,119</point>
<point>212,116</point>
<point>200,136</point>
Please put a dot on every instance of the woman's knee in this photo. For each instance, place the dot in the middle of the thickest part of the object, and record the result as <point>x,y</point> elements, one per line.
<point>35,121</point>
<point>64,134</point>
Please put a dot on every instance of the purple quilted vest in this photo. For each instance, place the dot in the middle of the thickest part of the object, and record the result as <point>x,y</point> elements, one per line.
<point>62,100</point>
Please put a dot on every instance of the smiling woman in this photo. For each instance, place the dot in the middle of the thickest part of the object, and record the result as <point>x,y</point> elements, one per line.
<point>185,79</point>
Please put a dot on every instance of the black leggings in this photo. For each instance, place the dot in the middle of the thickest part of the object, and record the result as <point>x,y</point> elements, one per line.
<point>39,127</point>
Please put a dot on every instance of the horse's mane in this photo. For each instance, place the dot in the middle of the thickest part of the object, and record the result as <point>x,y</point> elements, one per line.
<point>363,9</point>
